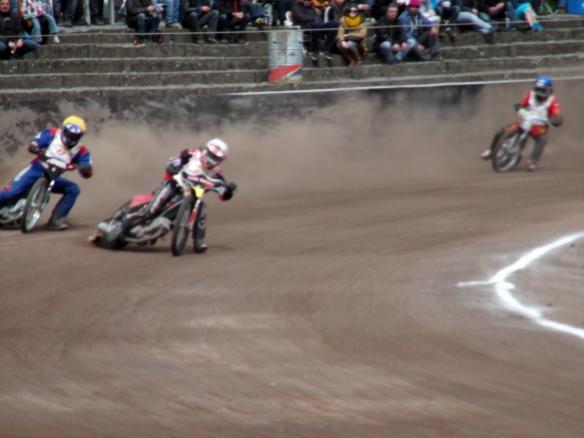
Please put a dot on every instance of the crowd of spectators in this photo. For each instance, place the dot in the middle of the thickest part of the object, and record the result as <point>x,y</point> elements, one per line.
<point>397,30</point>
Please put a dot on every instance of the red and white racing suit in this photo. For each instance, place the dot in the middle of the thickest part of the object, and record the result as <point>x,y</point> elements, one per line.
<point>537,116</point>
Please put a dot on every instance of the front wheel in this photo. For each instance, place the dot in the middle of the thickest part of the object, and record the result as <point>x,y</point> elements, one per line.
<point>36,201</point>
<point>181,227</point>
<point>506,153</point>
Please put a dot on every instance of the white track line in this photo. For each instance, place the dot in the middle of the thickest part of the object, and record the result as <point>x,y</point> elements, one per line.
<point>400,86</point>
<point>504,288</point>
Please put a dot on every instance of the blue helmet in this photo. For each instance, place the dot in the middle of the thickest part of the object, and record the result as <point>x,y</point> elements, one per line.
<point>543,88</point>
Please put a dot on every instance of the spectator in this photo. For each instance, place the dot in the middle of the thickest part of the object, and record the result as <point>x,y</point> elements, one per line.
<point>379,8</point>
<point>96,12</point>
<point>363,7</point>
<point>234,16</point>
<point>305,16</point>
<point>12,41</point>
<point>451,12</point>
<point>522,10</point>
<point>198,14</point>
<point>281,8</point>
<point>144,17</point>
<point>420,36</point>
<point>388,35</point>
<point>495,9</point>
<point>38,13</point>
<point>332,20</point>
<point>320,6</point>
<point>427,10</point>
<point>170,13</point>
<point>351,36</point>
<point>73,13</point>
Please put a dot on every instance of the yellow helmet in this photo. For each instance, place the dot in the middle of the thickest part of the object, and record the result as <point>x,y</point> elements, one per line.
<point>74,120</point>
<point>72,131</point>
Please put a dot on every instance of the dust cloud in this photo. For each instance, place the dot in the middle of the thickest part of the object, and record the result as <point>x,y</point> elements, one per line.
<point>359,141</point>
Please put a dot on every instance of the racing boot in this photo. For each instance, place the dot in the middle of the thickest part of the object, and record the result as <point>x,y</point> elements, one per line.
<point>57,224</point>
<point>200,231</point>
<point>531,165</point>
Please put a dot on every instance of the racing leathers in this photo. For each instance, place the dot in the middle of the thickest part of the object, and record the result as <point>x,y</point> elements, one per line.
<point>189,165</point>
<point>536,117</point>
<point>48,144</point>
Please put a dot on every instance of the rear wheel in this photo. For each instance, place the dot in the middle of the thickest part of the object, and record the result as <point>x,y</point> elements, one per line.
<point>181,228</point>
<point>506,153</point>
<point>35,203</point>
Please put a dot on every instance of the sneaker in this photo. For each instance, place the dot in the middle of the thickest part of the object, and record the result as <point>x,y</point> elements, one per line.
<point>486,155</point>
<point>313,56</point>
<point>55,39</point>
<point>536,27</point>
<point>57,224</point>
<point>138,42</point>
<point>158,39</point>
<point>212,40</point>
<point>67,22</point>
<point>174,25</point>
<point>531,166</point>
<point>328,56</point>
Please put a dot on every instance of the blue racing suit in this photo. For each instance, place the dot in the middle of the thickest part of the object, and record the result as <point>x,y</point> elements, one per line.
<point>49,142</point>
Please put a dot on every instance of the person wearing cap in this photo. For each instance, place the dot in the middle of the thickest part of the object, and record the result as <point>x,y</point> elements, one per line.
<point>419,34</point>
<point>62,144</point>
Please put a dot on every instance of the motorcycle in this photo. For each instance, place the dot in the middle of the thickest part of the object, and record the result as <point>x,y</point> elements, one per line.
<point>183,215</point>
<point>506,152</point>
<point>26,211</point>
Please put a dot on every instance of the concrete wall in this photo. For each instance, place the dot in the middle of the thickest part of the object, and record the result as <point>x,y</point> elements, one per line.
<point>20,122</point>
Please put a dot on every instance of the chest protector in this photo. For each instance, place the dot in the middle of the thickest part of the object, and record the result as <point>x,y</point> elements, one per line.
<point>57,150</point>
<point>540,110</point>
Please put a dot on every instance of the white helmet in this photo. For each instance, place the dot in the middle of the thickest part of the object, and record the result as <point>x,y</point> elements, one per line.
<point>215,151</point>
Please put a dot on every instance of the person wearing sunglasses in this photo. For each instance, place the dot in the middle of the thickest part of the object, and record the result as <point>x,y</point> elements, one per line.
<point>351,36</point>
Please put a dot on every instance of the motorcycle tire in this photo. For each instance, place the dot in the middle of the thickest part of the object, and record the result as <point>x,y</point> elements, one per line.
<point>181,229</point>
<point>502,159</point>
<point>36,201</point>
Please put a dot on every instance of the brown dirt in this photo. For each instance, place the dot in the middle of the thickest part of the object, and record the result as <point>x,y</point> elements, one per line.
<point>326,306</point>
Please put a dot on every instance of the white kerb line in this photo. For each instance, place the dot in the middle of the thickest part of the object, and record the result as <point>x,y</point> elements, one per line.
<point>504,288</point>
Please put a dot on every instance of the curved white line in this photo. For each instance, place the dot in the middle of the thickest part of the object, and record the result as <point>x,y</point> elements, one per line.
<point>504,288</point>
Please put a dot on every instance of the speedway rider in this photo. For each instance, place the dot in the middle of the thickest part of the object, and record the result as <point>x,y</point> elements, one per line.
<point>539,108</point>
<point>199,165</point>
<point>61,144</point>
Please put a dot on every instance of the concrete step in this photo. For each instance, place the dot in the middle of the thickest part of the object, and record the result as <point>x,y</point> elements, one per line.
<point>132,65</point>
<point>167,64</point>
<point>142,93</point>
<point>338,73</point>
<point>75,80</point>
<point>127,50</point>
<point>116,44</point>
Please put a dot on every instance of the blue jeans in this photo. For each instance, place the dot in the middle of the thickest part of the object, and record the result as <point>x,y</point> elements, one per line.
<point>472,19</point>
<point>146,24</point>
<point>36,27</point>
<point>22,182</point>
<point>28,46</point>
<point>171,11</point>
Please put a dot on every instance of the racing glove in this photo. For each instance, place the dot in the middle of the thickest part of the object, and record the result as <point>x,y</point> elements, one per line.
<point>85,170</point>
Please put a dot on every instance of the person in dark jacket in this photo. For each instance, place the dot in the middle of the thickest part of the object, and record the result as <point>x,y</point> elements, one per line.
<point>388,35</point>
<point>12,41</point>
<point>198,14</point>
<point>234,16</point>
<point>144,17</point>
<point>305,16</point>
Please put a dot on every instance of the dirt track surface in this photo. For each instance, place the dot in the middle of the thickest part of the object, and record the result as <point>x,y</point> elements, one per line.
<point>329,312</point>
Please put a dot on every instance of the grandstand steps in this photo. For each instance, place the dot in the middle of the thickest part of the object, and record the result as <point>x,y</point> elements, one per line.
<point>103,62</point>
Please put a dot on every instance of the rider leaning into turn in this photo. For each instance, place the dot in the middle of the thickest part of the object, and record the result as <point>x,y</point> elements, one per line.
<point>200,165</point>
<point>540,103</point>
<point>61,143</point>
